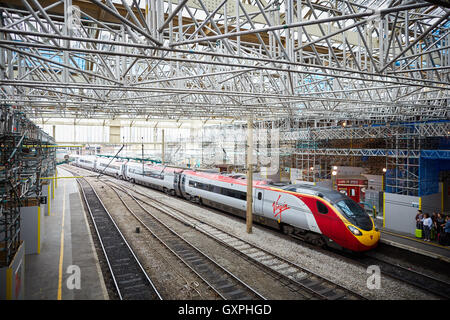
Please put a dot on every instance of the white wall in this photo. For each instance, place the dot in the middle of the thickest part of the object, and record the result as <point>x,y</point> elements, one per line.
<point>349,171</point>
<point>431,203</point>
<point>401,212</point>
<point>374,182</point>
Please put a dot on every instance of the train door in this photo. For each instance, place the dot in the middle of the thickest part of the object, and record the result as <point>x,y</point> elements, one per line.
<point>182,184</point>
<point>176,183</point>
<point>258,201</point>
<point>353,193</point>
<point>179,179</point>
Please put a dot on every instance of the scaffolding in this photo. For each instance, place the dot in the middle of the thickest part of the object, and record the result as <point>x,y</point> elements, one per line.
<point>26,155</point>
<point>397,147</point>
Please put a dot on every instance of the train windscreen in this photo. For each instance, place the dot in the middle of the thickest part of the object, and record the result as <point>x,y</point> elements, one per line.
<point>355,214</point>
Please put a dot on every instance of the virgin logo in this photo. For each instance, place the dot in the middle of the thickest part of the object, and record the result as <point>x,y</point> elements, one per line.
<point>278,208</point>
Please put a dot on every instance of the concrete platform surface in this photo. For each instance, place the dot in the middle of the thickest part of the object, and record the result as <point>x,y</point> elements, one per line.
<point>407,242</point>
<point>67,267</point>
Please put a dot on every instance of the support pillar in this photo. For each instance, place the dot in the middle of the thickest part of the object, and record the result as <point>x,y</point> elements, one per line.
<point>162,147</point>
<point>249,216</point>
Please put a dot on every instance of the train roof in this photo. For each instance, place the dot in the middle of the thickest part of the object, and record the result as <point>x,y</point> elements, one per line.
<point>329,194</point>
<point>113,161</point>
<point>226,178</point>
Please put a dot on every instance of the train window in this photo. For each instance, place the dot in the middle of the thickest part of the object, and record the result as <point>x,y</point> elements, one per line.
<point>259,195</point>
<point>322,208</point>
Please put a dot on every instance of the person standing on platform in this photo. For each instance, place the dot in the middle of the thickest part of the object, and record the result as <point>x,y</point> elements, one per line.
<point>440,221</point>
<point>427,223</point>
<point>433,230</point>
<point>419,224</point>
<point>446,233</point>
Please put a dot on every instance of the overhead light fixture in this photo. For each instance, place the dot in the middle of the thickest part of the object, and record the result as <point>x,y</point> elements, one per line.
<point>334,173</point>
<point>384,169</point>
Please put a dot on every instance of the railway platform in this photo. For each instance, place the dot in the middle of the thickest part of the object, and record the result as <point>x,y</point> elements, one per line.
<point>410,243</point>
<point>67,267</point>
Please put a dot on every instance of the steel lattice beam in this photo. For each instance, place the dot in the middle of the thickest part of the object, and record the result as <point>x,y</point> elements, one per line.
<point>201,59</point>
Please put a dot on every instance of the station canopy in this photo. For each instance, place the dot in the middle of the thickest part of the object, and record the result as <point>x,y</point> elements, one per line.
<point>226,59</point>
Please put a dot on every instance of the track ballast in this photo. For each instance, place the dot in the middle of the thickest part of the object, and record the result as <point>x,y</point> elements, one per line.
<point>130,279</point>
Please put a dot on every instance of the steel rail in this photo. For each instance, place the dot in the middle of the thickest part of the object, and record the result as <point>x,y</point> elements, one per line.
<point>114,269</point>
<point>417,279</point>
<point>177,252</point>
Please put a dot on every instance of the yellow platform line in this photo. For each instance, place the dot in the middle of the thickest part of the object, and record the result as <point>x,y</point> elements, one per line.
<point>61,250</point>
<point>417,240</point>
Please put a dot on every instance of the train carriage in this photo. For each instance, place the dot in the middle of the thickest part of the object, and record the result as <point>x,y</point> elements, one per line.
<point>113,168</point>
<point>157,177</point>
<point>222,192</point>
<point>86,162</point>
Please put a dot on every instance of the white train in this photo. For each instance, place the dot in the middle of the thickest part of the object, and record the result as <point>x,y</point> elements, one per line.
<point>113,168</point>
<point>317,215</point>
<point>154,176</point>
<point>87,162</point>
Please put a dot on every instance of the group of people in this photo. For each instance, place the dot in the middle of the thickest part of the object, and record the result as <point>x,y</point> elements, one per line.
<point>435,226</point>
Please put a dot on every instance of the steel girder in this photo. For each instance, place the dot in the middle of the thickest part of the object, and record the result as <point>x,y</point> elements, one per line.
<point>140,59</point>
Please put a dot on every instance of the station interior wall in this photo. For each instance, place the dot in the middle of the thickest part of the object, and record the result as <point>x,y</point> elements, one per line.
<point>400,212</point>
<point>32,228</point>
<point>431,203</point>
<point>429,172</point>
<point>445,200</point>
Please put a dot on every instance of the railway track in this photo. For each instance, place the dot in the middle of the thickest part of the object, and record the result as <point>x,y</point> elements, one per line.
<point>222,281</point>
<point>130,279</point>
<point>417,279</point>
<point>309,282</point>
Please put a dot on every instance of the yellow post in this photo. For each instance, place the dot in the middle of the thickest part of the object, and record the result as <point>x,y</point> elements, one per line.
<point>384,209</point>
<point>9,280</point>
<point>48,199</point>
<point>53,188</point>
<point>56,176</point>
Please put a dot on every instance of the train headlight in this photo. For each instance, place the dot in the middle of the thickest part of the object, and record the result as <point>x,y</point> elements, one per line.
<point>355,231</point>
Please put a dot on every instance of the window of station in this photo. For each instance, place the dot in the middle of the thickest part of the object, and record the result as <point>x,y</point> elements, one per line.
<point>220,190</point>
